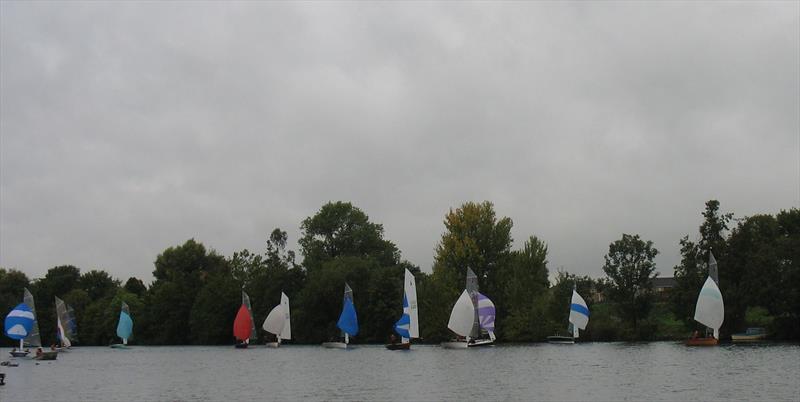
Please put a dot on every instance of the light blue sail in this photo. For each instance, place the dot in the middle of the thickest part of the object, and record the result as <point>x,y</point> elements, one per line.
<point>19,322</point>
<point>125,325</point>
<point>348,321</point>
<point>404,323</point>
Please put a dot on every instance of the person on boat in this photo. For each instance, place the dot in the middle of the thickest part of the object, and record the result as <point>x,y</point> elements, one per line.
<point>53,347</point>
<point>392,339</point>
<point>695,334</point>
<point>39,352</point>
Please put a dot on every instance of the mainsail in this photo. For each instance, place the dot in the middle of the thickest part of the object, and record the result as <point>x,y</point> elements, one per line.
<point>348,321</point>
<point>125,325</point>
<point>246,303</point>
<point>578,313</point>
<point>62,320</point>
<point>472,288</point>
<point>33,338</point>
<point>712,268</point>
<point>408,325</point>
<point>72,324</point>
<point>242,324</point>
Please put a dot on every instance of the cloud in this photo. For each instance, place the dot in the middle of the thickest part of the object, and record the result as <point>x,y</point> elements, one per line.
<point>129,128</point>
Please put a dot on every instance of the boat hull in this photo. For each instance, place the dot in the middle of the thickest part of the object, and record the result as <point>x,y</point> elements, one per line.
<point>47,356</point>
<point>119,346</point>
<point>334,345</point>
<point>398,346</point>
<point>702,342</point>
<point>480,343</point>
<point>561,340</point>
<point>19,354</point>
<point>742,338</point>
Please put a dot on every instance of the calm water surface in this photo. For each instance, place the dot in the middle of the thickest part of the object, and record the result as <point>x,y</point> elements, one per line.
<point>592,371</point>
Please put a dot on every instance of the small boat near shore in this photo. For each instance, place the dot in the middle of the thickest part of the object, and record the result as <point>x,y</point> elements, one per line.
<point>278,322</point>
<point>408,324</point>
<point>755,334</point>
<point>710,308</point>
<point>124,327</point>
<point>472,318</point>
<point>578,319</point>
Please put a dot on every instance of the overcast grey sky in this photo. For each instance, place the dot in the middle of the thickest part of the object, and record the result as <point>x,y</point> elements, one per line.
<point>126,128</point>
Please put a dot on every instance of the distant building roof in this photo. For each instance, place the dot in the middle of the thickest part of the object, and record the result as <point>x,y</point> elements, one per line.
<point>664,283</point>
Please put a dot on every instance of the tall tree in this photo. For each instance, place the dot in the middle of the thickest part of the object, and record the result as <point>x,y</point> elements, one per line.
<point>523,303</point>
<point>475,239</point>
<point>693,268</point>
<point>341,229</point>
<point>630,267</point>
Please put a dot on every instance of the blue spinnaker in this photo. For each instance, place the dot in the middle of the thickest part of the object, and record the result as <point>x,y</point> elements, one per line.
<point>19,322</point>
<point>348,321</point>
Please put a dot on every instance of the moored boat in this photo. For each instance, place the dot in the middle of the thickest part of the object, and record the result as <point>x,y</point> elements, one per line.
<point>755,334</point>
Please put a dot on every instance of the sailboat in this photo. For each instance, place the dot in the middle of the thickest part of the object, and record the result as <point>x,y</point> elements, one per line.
<point>278,322</point>
<point>18,325</point>
<point>62,325</point>
<point>124,327</point>
<point>244,328</point>
<point>578,319</point>
<point>472,317</point>
<point>408,324</point>
<point>348,321</point>
<point>710,308</point>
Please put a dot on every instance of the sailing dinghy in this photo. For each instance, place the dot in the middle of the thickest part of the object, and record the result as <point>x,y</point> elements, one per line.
<point>472,318</point>
<point>62,326</point>
<point>710,308</point>
<point>18,325</point>
<point>348,321</point>
<point>578,319</point>
<point>124,327</point>
<point>408,325</point>
<point>278,322</point>
<point>244,328</point>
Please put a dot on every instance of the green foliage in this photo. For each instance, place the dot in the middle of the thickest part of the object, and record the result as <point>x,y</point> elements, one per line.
<point>339,229</point>
<point>630,267</point>
<point>474,239</point>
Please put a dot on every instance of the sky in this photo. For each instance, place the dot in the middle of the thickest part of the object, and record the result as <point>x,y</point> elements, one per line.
<point>127,128</point>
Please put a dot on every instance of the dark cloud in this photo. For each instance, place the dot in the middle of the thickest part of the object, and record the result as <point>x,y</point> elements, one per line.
<point>126,128</point>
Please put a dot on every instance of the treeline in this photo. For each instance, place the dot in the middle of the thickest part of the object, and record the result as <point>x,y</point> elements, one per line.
<point>196,292</point>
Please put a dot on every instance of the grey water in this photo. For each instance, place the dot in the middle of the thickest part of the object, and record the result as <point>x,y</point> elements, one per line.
<point>590,371</point>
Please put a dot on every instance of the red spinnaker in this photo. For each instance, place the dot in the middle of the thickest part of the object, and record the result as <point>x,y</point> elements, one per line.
<point>242,324</point>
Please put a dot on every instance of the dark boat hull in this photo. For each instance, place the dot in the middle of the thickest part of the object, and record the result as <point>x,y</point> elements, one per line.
<point>561,340</point>
<point>47,356</point>
<point>19,354</point>
<point>398,346</point>
<point>702,342</point>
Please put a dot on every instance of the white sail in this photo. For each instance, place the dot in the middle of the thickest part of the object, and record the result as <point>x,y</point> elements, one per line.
<point>463,315</point>
<point>275,320</point>
<point>710,309</point>
<point>410,290</point>
<point>286,333</point>
<point>578,312</point>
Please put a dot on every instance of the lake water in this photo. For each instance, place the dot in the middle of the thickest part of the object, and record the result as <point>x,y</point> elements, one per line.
<point>591,371</point>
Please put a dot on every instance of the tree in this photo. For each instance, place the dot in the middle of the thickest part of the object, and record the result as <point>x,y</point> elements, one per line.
<point>340,229</point>
<point>525,295</point>
<point>630,267</point>
<point>693,269</point>
<point>98,283</point>
<point>474,239</point>
<point>135,286</point>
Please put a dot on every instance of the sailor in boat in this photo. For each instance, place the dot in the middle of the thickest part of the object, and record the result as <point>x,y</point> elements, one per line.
<point>392,339</point>
<point>39,352</point>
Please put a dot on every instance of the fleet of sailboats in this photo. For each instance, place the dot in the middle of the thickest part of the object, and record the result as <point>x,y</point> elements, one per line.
<point>348,321</point>
<point>278,322</point>
<point>710,308</point>
<point>472,317</point>
<point>408,324</point>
